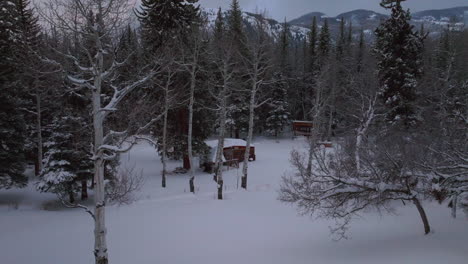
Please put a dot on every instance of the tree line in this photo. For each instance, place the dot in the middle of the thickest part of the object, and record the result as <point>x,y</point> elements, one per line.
<point>87,83</point>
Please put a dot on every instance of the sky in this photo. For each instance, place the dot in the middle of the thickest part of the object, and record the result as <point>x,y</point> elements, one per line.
<point>290,9</point>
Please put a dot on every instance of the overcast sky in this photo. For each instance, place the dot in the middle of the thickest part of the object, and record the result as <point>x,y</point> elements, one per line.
<point>279,9</point>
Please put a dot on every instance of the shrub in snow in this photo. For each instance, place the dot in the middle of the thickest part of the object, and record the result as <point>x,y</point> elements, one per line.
<point>121,187</point>
<point>335,188</point>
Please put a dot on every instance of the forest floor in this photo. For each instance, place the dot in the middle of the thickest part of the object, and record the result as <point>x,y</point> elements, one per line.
<point>172,226</point>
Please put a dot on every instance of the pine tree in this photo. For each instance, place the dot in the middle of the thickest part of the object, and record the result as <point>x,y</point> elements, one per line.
<point>163,20</point>
<point>67,161</point>
<point>313,44</point>
<point>398,49</point>
<point>235,28</point>
<point>360,52</point>
<point>32,79</point>
<point>284,48</point>
<point>324,41</point>
<point>340,46</point>
<point>12,128</point>
<point>238,40</point>
<point>278,115</point>
<point>28,24</point>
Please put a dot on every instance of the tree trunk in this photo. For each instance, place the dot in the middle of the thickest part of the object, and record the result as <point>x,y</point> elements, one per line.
<point>422,213</point>
<point>220,189</point>
<point>39,132</point>
<point>100,231</point>
<point>84,190</point>
<point>245,166</point>
<point>190,129</point>
<point>71,195</point>
<point>454,205</point>
<point>222,128</point>
<point>164,146</point>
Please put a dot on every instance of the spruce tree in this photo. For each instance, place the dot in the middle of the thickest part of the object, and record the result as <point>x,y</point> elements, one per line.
<point>235,28</point>
<point>324,41</point>
<point>398,49</point>
<point>237,38</point>
<point>360,52</point>
<point>340,45</point>
<point>67,160</point>
<point>12,128</point>
<point>313,44</point>
<point>278,115</point>
<point>162,20</point>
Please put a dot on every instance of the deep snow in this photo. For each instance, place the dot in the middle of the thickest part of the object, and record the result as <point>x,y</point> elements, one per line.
<point>173,226</point>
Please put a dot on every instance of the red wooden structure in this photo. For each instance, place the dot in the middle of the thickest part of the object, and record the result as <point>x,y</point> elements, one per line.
<point>302,128</point>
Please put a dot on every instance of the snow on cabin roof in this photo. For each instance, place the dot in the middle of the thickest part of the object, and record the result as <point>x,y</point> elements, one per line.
<point>228,142</point>
<point>301,121</point>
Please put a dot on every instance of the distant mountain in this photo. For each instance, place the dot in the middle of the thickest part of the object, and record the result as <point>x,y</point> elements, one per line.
<point>451,14</point>
<point>306,20</point>
<point>362,17</point>
<point>367,20</point>
<point>274,28</point>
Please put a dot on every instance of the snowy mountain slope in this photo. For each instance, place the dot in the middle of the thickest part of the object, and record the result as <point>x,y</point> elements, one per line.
<point>274,28</point>
<point>433,20</point>
<point>456,14</point>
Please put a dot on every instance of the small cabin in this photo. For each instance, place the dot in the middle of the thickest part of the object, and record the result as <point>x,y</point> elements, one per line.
<point>233,153</point>
<point>302,128</point>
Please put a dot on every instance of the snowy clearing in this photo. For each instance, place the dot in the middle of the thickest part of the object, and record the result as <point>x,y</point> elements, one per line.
<point>173,226</point>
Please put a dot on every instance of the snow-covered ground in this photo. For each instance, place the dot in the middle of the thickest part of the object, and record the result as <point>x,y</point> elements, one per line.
<point>173,226</point>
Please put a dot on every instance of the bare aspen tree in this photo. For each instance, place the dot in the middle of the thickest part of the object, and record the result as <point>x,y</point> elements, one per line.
<point>222,98</point>
<point>97,22</point>
<point>258,63</point>
<point>224,64</point>
<point>191,64</point>
<point>169,73</point>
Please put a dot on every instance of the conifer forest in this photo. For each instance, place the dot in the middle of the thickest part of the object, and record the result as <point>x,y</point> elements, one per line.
<point>167,131</point>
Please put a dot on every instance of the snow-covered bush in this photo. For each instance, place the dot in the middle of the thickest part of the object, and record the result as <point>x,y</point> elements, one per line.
<point>122,186</point>
<point>335,188</point>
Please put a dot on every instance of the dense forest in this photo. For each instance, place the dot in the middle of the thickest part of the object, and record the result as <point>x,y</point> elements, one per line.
<point>82,81</point>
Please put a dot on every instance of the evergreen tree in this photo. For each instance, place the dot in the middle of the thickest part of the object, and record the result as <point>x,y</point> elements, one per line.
<point>278,115</point>
<point>163,20</point>
<point>340,46</point>
<point>28,24</point>
<point>324,41</point>
<point>284,48</point>
<point>235,28</point>
<point>313,44</point>
<point>67,161</point>
<point>398,49</point>
<point>360,52</point>
<point>236,36</point>
<point>12,128</point>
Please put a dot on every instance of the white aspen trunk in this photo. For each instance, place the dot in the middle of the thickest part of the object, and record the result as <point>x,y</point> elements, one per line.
<point>39,131</point>
<point>361,132</point>
<point>100,245</point>
<point>222,130</point>
<point>219,152</point>
<point>245,166</point>
<point>190,129</point>
<point>316,119</point>
<point>100,231</point>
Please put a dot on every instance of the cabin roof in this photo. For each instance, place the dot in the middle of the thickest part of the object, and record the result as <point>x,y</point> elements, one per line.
<point>301,121</point>
<point>228,143</point>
